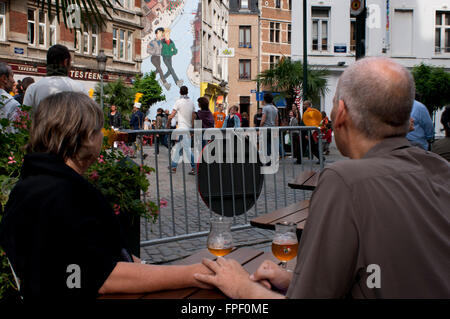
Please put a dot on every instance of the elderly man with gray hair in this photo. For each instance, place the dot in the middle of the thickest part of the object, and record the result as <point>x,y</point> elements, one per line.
<point>8,105</point>
<point>378,224</point>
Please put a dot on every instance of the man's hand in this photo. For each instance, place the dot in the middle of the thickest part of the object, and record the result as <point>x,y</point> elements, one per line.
<point>201,269</point>
<point>411,124</point>
<point>271,272</point>
<point>233,280</point>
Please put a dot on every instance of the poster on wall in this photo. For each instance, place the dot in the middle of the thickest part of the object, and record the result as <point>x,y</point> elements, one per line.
<point>171,45</point>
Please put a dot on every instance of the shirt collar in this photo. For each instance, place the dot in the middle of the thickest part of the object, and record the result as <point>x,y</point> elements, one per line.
<point>387,145</point>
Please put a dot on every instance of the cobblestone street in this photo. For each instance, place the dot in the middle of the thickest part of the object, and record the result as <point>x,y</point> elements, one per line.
<point>187,213</point>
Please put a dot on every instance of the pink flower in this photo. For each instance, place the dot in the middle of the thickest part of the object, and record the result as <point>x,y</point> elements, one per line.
<point>116,209</point>
<point>94,175</point>
<point>162,203</point>
<point>11,160</point>
<point>100,159</point>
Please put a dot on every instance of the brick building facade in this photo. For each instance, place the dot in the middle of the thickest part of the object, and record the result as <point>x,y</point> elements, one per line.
<point>26,33</point>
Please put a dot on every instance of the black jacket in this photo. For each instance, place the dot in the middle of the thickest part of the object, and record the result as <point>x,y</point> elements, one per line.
<point>54,219</point>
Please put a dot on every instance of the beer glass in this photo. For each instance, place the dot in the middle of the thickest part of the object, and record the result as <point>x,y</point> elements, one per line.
<point>220,240</point>
<point>285,243</point>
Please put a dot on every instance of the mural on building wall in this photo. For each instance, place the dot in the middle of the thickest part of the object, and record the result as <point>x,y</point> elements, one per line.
<point>172,42</point>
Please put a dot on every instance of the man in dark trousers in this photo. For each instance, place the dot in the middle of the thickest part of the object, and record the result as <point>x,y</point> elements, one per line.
<point>154,49</point>
<point>137,123</point>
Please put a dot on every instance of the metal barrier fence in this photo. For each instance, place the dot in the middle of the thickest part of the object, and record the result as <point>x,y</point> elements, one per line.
<point>186,203</point>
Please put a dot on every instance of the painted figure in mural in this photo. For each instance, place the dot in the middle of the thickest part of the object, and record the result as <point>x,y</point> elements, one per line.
<point>154,49</point>
<point>169,50</point>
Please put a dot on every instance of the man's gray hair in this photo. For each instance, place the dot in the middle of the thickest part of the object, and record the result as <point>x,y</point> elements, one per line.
<point>5,69</point>
<point>379,94</point>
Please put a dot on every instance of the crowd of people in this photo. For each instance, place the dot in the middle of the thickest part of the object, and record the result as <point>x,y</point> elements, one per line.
<point>387,205</point>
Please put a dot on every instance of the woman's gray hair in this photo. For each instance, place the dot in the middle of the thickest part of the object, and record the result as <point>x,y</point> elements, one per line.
<point>379,94</point>
<point>63,124</point>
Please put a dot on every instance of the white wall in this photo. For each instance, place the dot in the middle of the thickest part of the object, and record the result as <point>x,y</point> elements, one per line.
<point>377,37</point>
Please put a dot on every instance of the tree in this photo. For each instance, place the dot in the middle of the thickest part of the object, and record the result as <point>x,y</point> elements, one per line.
<point>287,74</point>
<point>432,86</point>
<point>117,93</point>
<point>91,11</point>
<point>150,88</point>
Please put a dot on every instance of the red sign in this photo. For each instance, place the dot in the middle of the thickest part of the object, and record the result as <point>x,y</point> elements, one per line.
<point>75,74</point>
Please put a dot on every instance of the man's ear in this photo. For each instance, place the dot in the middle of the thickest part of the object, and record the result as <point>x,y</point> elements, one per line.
<point>66,63</point>
<point>341,115</point>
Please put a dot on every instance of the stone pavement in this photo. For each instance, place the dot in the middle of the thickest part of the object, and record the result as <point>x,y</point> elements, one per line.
<point>185,211</point>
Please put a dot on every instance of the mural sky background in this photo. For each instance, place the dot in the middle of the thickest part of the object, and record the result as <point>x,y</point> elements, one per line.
<point>183,37</point>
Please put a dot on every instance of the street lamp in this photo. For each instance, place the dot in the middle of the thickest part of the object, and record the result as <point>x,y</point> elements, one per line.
<point>101,65</point>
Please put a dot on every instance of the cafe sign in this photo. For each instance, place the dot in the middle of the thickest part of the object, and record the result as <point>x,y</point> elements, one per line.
<point>85,75</point>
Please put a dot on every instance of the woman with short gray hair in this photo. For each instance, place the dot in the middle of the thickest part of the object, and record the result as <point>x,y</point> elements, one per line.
<point>58,227</point>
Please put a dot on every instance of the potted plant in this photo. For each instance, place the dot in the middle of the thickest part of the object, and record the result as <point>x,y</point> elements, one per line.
<point>122,181</point>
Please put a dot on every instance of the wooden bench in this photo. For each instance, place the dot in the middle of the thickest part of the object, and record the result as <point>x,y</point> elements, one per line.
<point>306,180</point>
<point>249,258</point>
<point>296,213</point>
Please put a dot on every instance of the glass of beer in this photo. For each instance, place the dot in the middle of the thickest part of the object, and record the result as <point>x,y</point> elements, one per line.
<point>285,243</point>
<point>220,240</point>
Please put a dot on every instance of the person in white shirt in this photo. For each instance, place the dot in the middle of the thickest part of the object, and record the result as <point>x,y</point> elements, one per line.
<point>184,109</point>
<point>8,105</point>
<point>57,79</point>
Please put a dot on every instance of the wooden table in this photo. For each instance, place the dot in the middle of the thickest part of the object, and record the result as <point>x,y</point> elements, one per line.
<point>306,180</point>
<point>296,213</point>
<point>249,258</point>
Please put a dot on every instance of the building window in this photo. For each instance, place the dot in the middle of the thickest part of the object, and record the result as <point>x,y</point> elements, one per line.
<point>320,23</point>
<point>126,4</point>
<point>94,40</point>
<point>274,60</point>
<point>129,46</point>
<point>77,41</point>
<point>42,29</point>
<point>278,4</point>
<point>244,4</point>
<point>122,44</point>
<point>442,32</point>
<point>115,43</point>
<point>289,33</point>
<point>52,30</point>
<point>31,26</point>
<point>244,37</point>
<point>275,32</point>
<point>290,4</point>
<point>352,35</point>
<point>402,33</point>
<point>244,70</point>
<point>2,21</point>
<point>85,42</point>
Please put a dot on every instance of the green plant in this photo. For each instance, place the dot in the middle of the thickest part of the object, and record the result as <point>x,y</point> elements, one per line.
<point>117,93</point>
<point>13,138</point>
<point>287,75</point>
<point>150,88</point>
<point>121,180</point>
<point>432,86</point>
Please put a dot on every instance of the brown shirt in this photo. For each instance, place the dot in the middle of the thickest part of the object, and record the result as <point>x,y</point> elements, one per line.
<point>390,208</point>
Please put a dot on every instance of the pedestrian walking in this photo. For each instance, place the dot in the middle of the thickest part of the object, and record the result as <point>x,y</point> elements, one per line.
<point>184,109</point>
